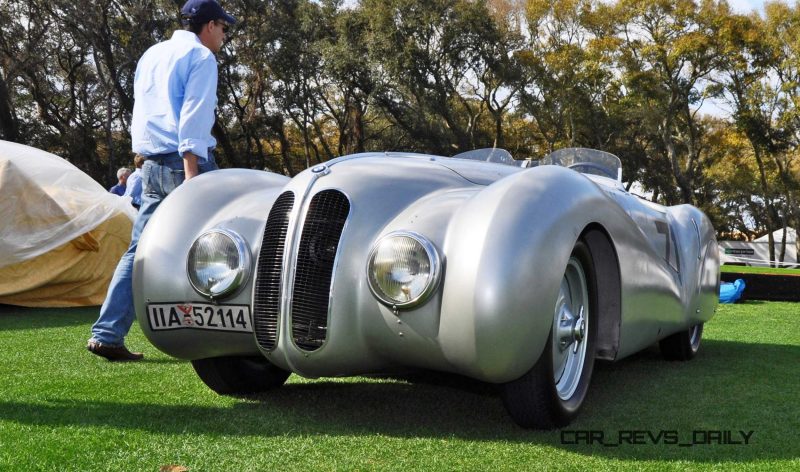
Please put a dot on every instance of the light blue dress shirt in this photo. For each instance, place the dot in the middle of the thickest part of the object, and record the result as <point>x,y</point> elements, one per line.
<point>175,95</point>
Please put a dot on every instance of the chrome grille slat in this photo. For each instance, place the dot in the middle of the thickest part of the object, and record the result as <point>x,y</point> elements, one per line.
<point>267,298</point>
<point>319,243</point>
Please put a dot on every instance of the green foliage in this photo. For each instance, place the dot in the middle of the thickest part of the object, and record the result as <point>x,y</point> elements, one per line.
<point>303,81</point>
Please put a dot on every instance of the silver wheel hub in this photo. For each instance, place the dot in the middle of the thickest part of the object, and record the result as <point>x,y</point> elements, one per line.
<point>569,330</point>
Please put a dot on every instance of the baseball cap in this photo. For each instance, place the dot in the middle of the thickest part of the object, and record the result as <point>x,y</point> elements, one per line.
<point>203,11</point>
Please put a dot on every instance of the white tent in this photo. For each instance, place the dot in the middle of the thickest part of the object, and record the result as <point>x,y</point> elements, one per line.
<point>756,253</point>
<point>777,235</point>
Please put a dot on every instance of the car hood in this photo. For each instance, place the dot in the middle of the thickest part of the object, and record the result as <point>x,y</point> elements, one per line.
<point>474,172</point>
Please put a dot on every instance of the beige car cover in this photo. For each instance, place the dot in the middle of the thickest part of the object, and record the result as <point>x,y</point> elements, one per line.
<point>61,233</point>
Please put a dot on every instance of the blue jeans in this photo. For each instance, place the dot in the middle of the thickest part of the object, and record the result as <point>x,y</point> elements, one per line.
<point>160,176</point>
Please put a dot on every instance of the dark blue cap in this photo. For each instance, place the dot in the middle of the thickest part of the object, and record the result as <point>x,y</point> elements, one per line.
<point>203,11</point>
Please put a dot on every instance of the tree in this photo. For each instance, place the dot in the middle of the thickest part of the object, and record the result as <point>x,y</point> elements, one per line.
<point>425,55</point>
<point>567,73</point>
<point>69,69</point>
<point>782,24</point>
<point>753,72</point>
<point>669,54</point>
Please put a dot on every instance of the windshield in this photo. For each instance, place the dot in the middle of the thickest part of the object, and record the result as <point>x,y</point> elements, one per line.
<point>496,155</point>
<point>587,161</point>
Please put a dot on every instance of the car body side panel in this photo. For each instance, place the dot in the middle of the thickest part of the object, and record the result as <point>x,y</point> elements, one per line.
<point>499,298</point>
<point>672,262</point>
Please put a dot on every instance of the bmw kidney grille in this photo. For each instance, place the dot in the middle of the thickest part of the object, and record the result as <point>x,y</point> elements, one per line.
<point>314,264</point>
<point>267,301</point>
<point>319,242</point>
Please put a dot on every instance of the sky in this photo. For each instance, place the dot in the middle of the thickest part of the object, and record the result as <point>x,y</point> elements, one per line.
<point>746,6</point>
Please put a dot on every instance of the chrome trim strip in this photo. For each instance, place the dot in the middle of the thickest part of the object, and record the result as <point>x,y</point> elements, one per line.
<point>289,260</point>
<point>699,240</point>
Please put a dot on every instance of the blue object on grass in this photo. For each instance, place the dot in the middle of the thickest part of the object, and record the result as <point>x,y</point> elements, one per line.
<point>730,292</point>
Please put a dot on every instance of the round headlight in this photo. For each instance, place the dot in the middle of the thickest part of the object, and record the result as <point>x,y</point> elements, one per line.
<point>219,263</point>
<point>403,269</point>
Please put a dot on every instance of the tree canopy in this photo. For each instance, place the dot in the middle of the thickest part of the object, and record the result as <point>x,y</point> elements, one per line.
<point>304,81</point>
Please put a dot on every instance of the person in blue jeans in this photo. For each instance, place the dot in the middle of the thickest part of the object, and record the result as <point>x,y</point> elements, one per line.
<point>175,95</point>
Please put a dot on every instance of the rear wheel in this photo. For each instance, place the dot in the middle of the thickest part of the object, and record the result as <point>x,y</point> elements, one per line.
<point>683,345</point>
<point>552,392</point>
<point>237,375</point>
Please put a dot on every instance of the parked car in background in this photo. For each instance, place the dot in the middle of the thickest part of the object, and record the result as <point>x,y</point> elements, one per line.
<point>518,273</point>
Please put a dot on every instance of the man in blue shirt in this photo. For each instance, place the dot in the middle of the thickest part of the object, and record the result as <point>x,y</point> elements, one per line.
<point>133,187</point>
<point>175,94</point>
<point>123,173</point>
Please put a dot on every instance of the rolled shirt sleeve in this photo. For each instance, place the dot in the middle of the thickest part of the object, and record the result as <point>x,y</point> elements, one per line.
<point>197,113</point>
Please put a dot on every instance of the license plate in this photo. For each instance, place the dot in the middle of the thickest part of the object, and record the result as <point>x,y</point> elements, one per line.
<point>165,316</point>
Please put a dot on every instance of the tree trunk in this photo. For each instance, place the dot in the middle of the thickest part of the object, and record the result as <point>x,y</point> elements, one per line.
<point>356,118</point>
<point>680,179</point>
<point>109,135</point>
<point>8,126</point>
<point>222,140</point>
<point>767,201</point>
<point>276,123</point>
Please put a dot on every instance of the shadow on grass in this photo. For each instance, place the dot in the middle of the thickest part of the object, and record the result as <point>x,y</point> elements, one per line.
<point>150,360</point>
<point>751,302</point>
<point>729,387</point>
<point>25,318</point>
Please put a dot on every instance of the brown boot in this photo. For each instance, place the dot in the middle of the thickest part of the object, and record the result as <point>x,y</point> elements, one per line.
<point>114,353</point>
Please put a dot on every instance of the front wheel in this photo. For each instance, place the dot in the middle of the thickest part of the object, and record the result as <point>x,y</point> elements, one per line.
<point>683,345</point>
<point>552,392</point>
<point>239,375</point>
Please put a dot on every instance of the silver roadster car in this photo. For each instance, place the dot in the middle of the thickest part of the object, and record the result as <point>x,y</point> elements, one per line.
<point>518,273</point>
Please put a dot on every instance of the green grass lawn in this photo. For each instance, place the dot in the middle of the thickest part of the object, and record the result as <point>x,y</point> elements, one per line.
<point>64,409</point>
<point>758,270</point>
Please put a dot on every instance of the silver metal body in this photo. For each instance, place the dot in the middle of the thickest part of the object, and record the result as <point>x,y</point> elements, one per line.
<point>504,235</point>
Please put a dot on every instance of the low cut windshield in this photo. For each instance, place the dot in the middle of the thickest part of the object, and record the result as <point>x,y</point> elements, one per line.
<point>584,160</point>
<point>587,161</point>
<point>496,155</point>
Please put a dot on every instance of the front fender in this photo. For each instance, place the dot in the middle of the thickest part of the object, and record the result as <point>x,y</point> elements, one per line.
<point>507,248</point>
<point>236,199</point>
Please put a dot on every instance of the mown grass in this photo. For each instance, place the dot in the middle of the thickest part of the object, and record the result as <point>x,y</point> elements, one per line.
<point>64,409</point>
<point>758,270</point>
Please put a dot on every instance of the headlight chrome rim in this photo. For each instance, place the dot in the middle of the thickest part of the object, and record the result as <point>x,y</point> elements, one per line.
<point>242,271</point>
<point>435,270</point>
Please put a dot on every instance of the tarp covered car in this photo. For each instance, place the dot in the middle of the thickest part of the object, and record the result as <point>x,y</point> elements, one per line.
<point>62,233</point>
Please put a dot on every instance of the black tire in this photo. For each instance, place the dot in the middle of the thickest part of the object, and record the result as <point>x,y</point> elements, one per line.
<point>683,345</point>
<point>239,375</point>
<point>533,400</point>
